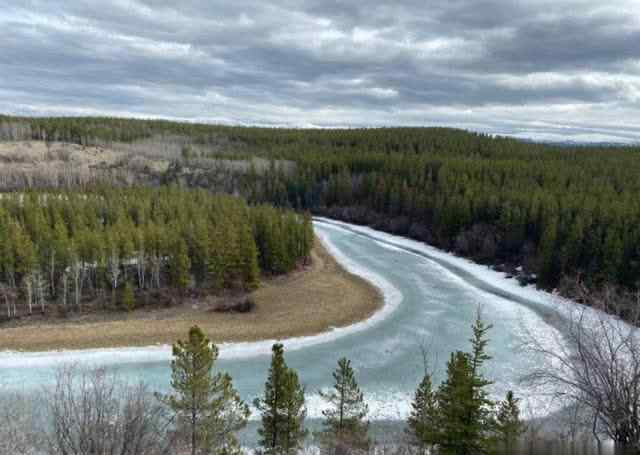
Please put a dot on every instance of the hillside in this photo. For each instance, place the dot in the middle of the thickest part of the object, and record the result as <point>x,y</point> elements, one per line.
<point>553,215</point>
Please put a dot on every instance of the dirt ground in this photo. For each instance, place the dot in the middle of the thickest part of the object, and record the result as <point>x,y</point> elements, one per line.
<point>306,302</point>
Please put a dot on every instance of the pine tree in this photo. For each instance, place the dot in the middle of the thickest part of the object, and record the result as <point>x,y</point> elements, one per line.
<point>200,249</point>
<point>295,412</point>
<point>509,426</point>
<point>180,266</point>
<point>216,266</point>
<point>454,398</point>
<point>423,420</point>
<point>128,299</point>
<point>344,426</point>
<point>282,408</point>
<point>250,268</point>
<point>208,409</point>
<point>547,254</point>
<point>612,254</point>
<point>465,410</point>
<point>307,237</point>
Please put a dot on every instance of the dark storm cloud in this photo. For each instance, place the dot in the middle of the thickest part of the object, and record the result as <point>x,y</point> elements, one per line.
<point>541,69</point>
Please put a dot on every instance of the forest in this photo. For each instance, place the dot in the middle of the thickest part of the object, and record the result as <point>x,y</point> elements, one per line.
<point>549,214</point>
<point>64,250</point>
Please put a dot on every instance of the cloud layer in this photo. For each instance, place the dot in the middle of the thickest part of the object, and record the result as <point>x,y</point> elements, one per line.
<point>543,69</point>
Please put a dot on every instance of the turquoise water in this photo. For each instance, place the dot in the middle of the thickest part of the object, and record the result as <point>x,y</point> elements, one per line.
<point>436,305</point>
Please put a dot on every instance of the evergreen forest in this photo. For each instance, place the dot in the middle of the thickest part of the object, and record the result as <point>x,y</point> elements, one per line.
<point>550,214</point>
<point>70,248</point>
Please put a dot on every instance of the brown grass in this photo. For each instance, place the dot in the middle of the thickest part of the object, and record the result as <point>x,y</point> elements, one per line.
<point>305,302</point>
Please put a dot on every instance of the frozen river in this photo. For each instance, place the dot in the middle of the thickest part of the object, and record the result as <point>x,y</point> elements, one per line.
<point>431,299</point>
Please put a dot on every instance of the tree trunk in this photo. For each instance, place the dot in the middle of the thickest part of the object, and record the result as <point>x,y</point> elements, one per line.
<point>52,275</point>
<point>29,292</point>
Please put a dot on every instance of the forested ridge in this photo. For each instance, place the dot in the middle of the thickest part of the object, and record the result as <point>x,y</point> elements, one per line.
<point>70,248</point>
<point>560,212</point>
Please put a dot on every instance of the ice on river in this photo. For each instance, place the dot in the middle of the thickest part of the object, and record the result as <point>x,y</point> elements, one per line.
<point>431,298</point>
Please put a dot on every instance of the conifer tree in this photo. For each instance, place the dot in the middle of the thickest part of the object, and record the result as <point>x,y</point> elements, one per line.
<point>24,252</point>
<point>58,253</point>
<point>295,412</point>
<point>344,425</point>
<point>465,410</point>
<point>547,253</point>
<point>423,420</point>
<point>509,426</point>
<point>128,299</point>
<point>250,268</point>
<point>200,249</point>
<point>216,266</point>
<point>208,409</point>
<point>282,408</point>
<point>180,266</point>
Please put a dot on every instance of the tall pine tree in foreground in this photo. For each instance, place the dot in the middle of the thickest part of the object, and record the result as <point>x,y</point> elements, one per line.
<point>282,408</point>
<point>422,422</point>
<point>208,410</point>
<point>345,427</point>
<point>509,426</point>
<point>465,410</point>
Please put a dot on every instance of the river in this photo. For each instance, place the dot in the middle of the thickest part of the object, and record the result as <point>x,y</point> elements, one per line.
<point>431,300</point>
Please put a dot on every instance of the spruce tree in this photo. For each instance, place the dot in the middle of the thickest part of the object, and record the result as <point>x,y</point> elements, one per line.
<point>307,237</point>
<point>509,426</point>
<point>250,268</point>
<point>128,299</point>
<point>344,425</point>
<point>423,420</point>
<point>282,408</point>
<point>180,266</point>
<point>216,266</point>
<point>207,408</point>
<point>295,412</point>
<point>454,400</point>
<point>465,410</point>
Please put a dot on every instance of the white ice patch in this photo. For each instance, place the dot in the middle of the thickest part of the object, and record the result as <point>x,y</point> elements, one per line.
<point>479,271</point>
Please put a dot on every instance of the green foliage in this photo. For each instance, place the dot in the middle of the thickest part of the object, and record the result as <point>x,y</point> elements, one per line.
<point>307,236</point>
<point>423,420</point>
<point>509,426</point>
<point>180,266</point>
<point>460,418</point>
<point>128,299</point>
<point>249,254</point>
<point>151,237</point>
<point>522,201</point>
<point>345,427</point>
<point>466,411</point>
<point>207,409</point>
<point>282,408</point>
<point>187,152</point>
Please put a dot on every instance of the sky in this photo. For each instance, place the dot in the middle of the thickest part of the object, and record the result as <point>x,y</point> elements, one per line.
<point>537,69</point>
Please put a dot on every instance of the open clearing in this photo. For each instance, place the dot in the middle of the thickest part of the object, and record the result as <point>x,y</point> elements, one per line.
<point>306,302</point>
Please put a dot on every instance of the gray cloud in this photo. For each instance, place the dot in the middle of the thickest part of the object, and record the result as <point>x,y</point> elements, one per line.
<point>532,68</point>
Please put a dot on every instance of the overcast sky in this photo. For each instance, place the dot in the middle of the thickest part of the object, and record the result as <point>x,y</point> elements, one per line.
<point>547,69</point>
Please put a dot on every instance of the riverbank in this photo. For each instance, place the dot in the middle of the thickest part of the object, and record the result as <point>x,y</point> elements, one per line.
<point>309,301</point>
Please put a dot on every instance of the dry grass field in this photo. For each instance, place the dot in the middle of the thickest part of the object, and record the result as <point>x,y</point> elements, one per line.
<point>306,302</point>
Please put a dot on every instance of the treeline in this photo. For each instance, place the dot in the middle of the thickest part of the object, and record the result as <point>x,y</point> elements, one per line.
<point>558,212</point>
<point>561,213</point>
<point>74,247</point>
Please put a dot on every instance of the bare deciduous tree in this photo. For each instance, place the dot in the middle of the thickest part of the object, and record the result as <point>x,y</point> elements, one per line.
<point>20,425</point>
<point>594,365</point>
<point>93,412</point>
